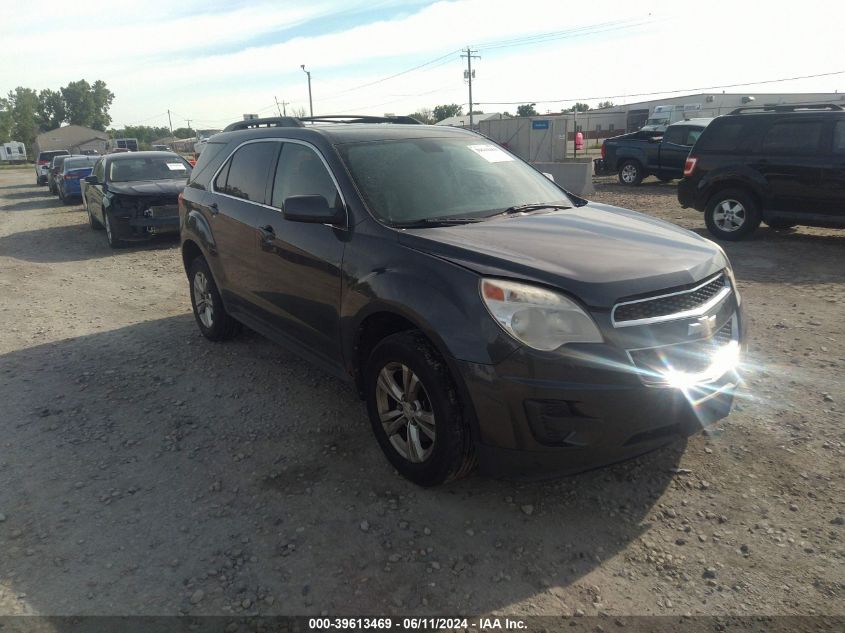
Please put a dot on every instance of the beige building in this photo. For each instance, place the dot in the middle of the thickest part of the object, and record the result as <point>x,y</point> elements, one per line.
<point>74,138</point>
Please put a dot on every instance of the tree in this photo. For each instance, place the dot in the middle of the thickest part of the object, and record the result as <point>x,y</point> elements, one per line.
<point>606,104</point>
<point>144,133</point>
<point>51,109</point>
<point>477,112</point>
<point>578,107</point>
<point>87,104</point>
<point>7,122</point>
<point>445,111</point>
<point>102,98</point>
<point>527,110</point>
<point>23,105</point>
<point>183,132</point>
<point>424,115</point>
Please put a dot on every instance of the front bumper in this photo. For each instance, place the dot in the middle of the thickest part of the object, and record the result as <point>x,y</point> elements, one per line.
<point>144,222</point>
<point>545,414</point>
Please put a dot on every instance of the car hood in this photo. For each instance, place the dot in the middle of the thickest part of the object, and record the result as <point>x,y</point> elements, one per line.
<point>596,252</point>
<point>148,187</point>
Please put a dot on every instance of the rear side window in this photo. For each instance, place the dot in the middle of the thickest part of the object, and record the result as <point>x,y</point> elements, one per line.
<point>207,157</point>
<point>727,136</point>
<point>300,172</point>
<point>676,134</point>
<point>792,137</point>
<point>839,137</point>
<point>247,172</point>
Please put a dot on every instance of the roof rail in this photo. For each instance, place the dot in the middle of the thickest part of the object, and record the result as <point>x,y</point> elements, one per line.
<point>360,118</point>
<point>289,121</point>
<point>789,108</point>
<point>276,121</point>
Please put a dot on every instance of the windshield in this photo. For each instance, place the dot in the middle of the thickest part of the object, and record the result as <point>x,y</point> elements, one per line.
<point>149,168</point>
<point>657,121</point>
<point>413,180</point>
<point>79,163</point>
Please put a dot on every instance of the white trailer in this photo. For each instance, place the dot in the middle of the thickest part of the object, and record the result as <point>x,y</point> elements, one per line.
<point>13,152</point>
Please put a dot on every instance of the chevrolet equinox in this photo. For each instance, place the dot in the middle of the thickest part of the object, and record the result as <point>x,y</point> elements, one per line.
<point>486,315</point>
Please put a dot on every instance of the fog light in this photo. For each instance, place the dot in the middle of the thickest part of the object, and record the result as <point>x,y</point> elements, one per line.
<point>725,359</point>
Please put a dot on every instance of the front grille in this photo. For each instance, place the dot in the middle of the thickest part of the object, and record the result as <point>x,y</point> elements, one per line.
<point>670,303</point>
<point>694,357</point>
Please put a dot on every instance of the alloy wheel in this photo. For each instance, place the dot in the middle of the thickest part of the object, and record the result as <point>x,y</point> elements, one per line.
<point>405,412</point>
<point>629,173</point>
<point>202,300</point>
<point>729,215</point>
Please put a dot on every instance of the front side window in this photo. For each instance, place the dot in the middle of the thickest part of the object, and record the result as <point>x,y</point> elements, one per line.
<point>246,172</point>
<point>149,168</point>
<point>792,137</point>
<point>300,172</point>
<point>413,180</point>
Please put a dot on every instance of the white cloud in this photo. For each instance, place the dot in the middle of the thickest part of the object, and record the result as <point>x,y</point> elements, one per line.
<point>680,47</point>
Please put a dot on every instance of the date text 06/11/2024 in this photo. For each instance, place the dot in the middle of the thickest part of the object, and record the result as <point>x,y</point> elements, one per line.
<point>423,624</point>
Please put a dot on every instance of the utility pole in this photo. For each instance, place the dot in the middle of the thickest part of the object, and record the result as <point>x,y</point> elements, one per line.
<point>310,102</point>
<point>470,56</point>
<point>171,123</point>
<point>283,108</point>
<point>189,124</point>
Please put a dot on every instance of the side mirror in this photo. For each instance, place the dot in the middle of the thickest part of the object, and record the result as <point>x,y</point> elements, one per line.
<point>91,180</point>
<point>312,209</point>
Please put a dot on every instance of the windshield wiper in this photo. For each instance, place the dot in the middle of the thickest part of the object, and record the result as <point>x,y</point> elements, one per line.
<point>533,206</point>
<point>431,222</point>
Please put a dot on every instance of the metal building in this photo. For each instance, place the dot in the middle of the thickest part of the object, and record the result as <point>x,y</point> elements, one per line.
<point>74,138</point>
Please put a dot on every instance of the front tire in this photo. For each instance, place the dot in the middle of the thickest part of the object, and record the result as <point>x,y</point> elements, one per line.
<point>630,173</point>
<point>111,238</point>
<point>732,214</point>
<point>211,316</point>
<point>415,410</point>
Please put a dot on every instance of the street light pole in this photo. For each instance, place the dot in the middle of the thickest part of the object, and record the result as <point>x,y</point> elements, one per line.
<point>310,102</point>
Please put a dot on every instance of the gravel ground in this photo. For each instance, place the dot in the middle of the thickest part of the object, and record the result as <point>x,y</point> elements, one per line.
<point>144,470</point>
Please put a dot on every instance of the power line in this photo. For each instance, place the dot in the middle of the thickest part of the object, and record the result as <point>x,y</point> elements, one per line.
<point>662,92</point>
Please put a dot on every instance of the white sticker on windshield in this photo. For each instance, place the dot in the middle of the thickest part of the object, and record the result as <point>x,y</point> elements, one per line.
<point>491,153</point>
<point>176,166</point>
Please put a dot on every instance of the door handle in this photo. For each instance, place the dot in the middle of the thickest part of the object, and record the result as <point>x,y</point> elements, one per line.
<point>267,232</point>
<point>213,208</point>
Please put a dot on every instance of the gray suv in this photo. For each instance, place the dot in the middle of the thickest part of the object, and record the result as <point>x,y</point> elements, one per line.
<point>485,314</point>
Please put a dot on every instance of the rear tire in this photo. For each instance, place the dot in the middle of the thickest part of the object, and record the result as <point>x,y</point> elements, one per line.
<point>415,410</point>
<point>631,173</point>
<point>211,316</point>
<point>732,214</point>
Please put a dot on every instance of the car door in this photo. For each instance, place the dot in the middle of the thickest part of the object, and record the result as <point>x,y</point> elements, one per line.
<point>237,193</point>
<point>298,265</point>
<point>674,150</point>
<point>791,160</point>
<point>833,177</point>
<point>94,192</point>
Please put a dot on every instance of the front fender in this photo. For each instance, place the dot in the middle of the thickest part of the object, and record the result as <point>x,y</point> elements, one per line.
<point>440,298</point>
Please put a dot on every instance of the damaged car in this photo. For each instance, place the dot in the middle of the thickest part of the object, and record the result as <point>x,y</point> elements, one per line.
<point>134,196</point>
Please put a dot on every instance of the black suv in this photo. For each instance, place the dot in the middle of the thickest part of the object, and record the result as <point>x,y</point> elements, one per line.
<point>783,165</point>
<point>484,313</point>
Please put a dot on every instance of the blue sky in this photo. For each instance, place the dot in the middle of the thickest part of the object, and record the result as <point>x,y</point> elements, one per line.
<point>213,60</point>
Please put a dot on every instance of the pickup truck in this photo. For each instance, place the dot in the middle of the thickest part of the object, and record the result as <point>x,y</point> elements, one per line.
<point>644,153</point>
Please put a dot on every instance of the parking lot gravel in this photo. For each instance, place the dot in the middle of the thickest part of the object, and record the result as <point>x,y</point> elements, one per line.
<point>145,470</point>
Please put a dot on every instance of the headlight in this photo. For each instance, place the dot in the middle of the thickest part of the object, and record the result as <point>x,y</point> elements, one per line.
<point>540,318</point>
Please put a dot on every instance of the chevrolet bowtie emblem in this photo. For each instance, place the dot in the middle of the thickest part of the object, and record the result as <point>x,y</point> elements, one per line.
<point>703,327</point>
